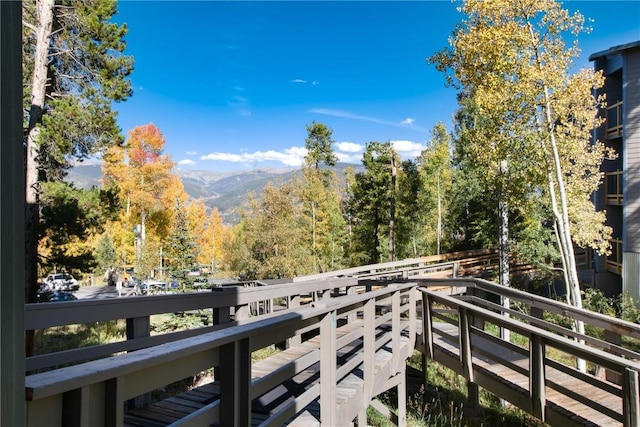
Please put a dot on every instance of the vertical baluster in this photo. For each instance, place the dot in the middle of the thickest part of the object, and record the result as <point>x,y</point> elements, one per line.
<point>631,395</point>
<point>537,376</point>
<point>328,366</point>
<point>235,382</point>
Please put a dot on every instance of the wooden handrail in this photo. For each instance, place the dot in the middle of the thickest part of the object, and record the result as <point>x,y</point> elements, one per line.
<point>538,340</point>
<point>126,376</point>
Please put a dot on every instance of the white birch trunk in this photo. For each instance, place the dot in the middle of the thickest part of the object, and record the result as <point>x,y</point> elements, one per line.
<point>561,215</point>
<point>503,239</point>
<point>43,26</point>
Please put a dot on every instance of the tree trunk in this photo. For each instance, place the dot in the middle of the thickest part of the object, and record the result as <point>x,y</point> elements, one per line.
<point>392,210</point>
<point>313,236</point>
<point>561,216</point>
<point>439,230</point>
<point>503,239</point>
<point>44,16</point>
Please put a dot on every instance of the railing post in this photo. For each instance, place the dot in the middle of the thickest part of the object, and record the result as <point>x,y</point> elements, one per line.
<point>630,408</point>
<point>293,301</point>
<point>139,327</point>
<point>235,382</point>
<point>615,338</point>
<point>352,317</point>
<point>413,300</point>
<point>369,349</point>
<point>466,359</point>
<point>426,338</point>
<point>537,377</point>
<point>395,332</point>
<point>328,366</point>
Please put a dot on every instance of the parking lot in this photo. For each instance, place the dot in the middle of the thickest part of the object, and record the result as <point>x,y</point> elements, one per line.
<point>99,292</point>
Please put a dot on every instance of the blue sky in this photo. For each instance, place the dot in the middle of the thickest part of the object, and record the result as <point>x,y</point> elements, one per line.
<point>232,85</point>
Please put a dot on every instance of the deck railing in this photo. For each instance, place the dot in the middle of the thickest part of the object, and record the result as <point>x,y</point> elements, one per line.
<point>614,120</point>
<point>614,260</point>
<point>230,303</point>
<point>614,187</point>
<point>94,393</point>
<point>461,323</point>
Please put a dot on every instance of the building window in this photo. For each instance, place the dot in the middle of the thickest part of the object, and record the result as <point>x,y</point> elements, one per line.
<point>613,187</point>
<point>614,120</point>
<point>614,260</point>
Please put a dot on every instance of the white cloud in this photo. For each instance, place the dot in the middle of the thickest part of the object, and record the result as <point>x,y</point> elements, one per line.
<point>186,162</point>
<point>408,148</point>
<point>191,153</point>
<point>348,115</point>
<point>349,147</point>
<point>298,81</point>
<point>293,156</point>
<point>408,121</point>
<point>315,83</point>
<point>349,158</point>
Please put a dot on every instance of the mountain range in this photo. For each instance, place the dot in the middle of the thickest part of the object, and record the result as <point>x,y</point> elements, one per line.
<point>226,191</point>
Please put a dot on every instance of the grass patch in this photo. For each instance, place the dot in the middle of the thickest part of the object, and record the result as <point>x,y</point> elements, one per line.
<point>442,403</point>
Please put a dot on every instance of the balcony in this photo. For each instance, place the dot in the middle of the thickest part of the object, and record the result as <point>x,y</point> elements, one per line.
<point>614,260</point>
<point>614,121</point>
<point>613,188</point>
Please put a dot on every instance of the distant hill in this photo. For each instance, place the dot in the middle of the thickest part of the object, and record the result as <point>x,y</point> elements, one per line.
<point>226,191</point>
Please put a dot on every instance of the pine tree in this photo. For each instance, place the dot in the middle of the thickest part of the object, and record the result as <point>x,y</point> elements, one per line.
<point>180,247</point>
<point>73,69</point>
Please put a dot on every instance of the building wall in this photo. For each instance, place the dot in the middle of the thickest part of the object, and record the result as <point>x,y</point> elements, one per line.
<point>631,111</point>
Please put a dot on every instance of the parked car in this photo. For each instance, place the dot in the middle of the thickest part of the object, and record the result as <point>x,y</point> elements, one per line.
<point>55,296</point>
<point>61,282</point>
<point>131,282</point>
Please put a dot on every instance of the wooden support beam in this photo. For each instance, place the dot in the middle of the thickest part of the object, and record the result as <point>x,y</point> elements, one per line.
<point>369,348</point>
<point>139,327</point>
<point>630,407</point>
<point>235,383</point>
<point>402,397</point>
<point>12,189</point>
<point>537,377</point>
<point>293,301</point>
<point>466,357</point>
<point>328,366</point>
<point>395,333</point>
<point>427,325</point>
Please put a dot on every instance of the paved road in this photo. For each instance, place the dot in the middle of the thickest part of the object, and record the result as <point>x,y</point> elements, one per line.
<point>100,292</point>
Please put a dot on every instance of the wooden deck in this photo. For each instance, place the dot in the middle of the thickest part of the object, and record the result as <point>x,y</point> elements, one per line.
<point>362,329</point>
<point>513,376</point>
<point>533,375</point>
<point>349,391</point>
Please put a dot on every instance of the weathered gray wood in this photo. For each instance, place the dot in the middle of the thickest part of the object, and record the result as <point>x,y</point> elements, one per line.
<point>369,342</point>
<point>466,357</point>
<point>537,378</point>
<point>395,332</point>
<point>583,393</point>
<point>12,200</point>
<point>427,327</point>
<point>235,382</point>
<point>328,361</point>
<point>631,408</point>
<point>402,396</point>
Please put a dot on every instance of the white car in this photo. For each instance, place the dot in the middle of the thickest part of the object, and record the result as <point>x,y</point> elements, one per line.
<point>62,282</point>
